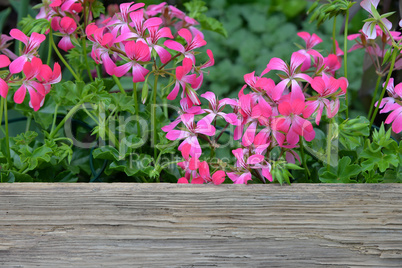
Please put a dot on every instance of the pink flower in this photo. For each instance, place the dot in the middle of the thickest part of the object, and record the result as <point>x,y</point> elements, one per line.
<point>185,109</point>
<point>182,79</point>
<point>67,27</point>
<point>137,52</point>
<point>326,87</point>
<point>215,109</point>
<point>154,35</point>
<point>388,102</point>
<point>102,43</point>
<point>217,178</point>
<point>292,71</point>
<point>120,21</point>
<point>190,135</point>
<point>311,41</point>
<point>140,24</point>
<point>4,62</point>
<point>31,45</point>
<point>192,43</point>
<point>36,90</point>
<point>49,77</point>
<point>291,121</point>
<point>369,27</point>
<point>4,46</point>
<point>393,105</point>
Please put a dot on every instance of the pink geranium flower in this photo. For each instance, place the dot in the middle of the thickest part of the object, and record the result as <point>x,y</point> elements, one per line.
<point>140,24</point>
<point>393,104</point>
<point>31,46</point>
<point>217,178</point>
<point>137,52</point>
<point>311,41</point>
<point>4,62</point>
<point>369,27</point>
<point>100,49</point>
<point>35,89</point>
<point>4,46</point>
<point>190,134</point>
<point>67,27</point>
<point>192,43</point>
<point>120,21</point>
<point>154,35</point>
<point>292,71</point>
<point>291,120</point>
<point>185,81</point>
<point>215,109</point>
<point>326,87</point>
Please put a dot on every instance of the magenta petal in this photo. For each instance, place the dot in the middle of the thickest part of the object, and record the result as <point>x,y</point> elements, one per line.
<point>123,69</point>
<point>19,95</point>
<point>164,55</point>
<point>65,43</point>
<point>139,73</point>
<point>3,88</point>
<point>4,61</point>
<point>18,64</point>
<point>173,45</point>
<point>255,159</point>
<point>248,137</point>
<point>177,135</point>
<point>17,34</point>
<point>173,94</point>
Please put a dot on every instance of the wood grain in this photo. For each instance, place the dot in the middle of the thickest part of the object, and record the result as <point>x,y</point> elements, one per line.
<point>167,225</point>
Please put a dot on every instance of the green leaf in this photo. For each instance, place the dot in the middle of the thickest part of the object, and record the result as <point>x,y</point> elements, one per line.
<point>211,24</point>
<point>123,102</point>
<point>195,7</point>
<point>15,176</point>
<point>345,172</point>
<point>97,8</point>
<point>106,152</point>
<point>30,25</point>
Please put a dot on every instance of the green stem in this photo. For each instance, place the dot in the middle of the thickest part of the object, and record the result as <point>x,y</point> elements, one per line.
<point>7,135</point>
<point>61,57</point>
<point>333,36</point>
<point>1,114</point>
<point>329,142</point>
<point>54,118</point>
<point>70,114</point>
<point>49,53</point>
<point>306,171</point>
<point>374,95</point>
<point>28,125</point>
<point>84,48</point>
<point>345,58</point>
<point>137,108</point>
<point>155,134</point>
<point>394,54</point>
<point>98,71</point>
<point>117,81</point>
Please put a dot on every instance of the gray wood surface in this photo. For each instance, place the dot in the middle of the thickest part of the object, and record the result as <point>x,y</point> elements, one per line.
<point>168,225</point>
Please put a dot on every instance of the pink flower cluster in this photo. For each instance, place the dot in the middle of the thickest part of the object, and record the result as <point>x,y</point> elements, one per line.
<point>64,16</point>
<point>270,115</point>
<point>134,36</point>
<point>37,77</point>
<point>393,104</point>
<point>377,43</point>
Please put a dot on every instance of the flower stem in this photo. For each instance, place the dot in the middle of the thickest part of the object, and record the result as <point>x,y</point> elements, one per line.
<point>28,125</point>
<point>374,95</point>
<point>393,57</point>
<point>345,58</point>
<point>117,81</point>
<point>333,36</point>
<point>155,134</point>
<point>1,113</point>
<point>61,57</point>
<point>306,171</point>
<point>69,114</point>
<point>49,52</point>
<point>329,142</point>
<point>137,108</point>
<point>84,48</point>
<point>54,118</point>
<point>98,71</point>
<point>7,134</point>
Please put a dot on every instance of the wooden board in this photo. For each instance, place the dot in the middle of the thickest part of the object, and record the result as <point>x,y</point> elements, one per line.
<point>168,225</point>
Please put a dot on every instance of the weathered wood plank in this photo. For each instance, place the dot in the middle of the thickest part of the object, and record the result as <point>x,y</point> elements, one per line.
<point>166,225</point>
